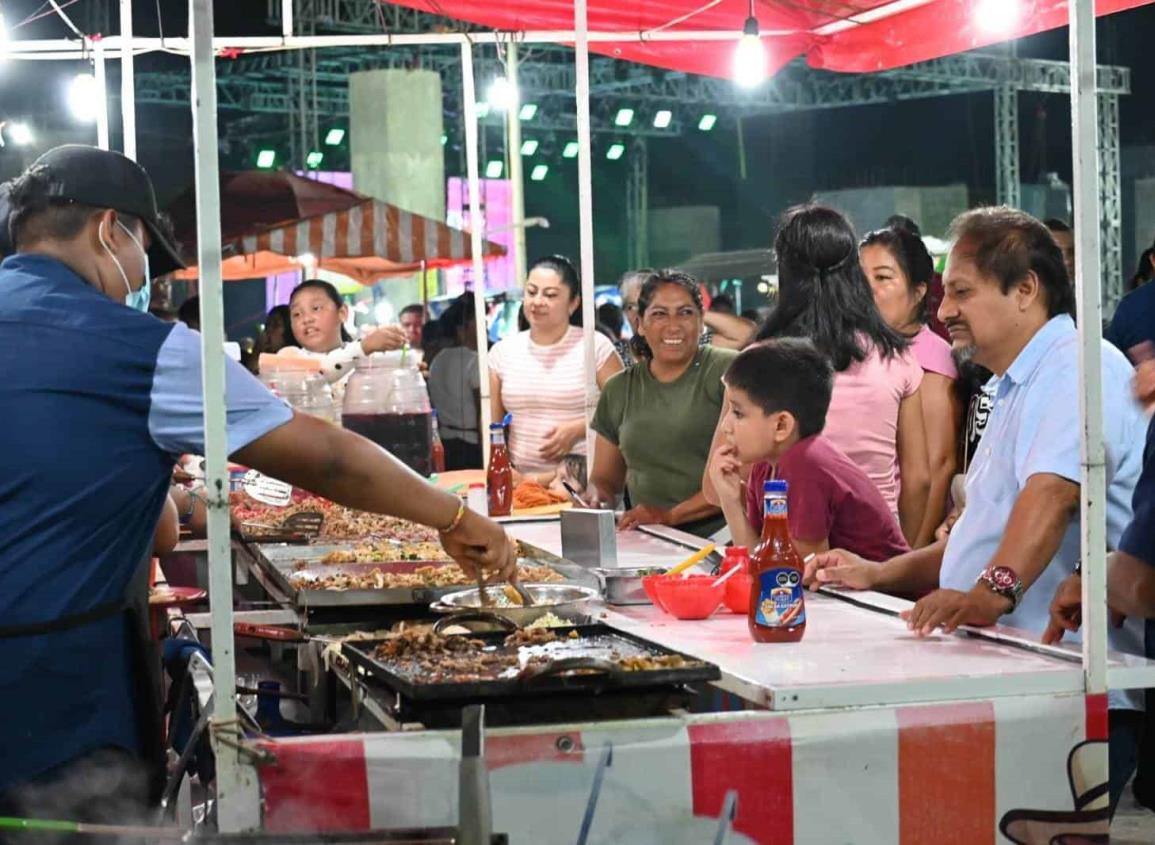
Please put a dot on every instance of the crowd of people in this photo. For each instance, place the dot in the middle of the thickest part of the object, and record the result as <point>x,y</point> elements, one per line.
<point>944,469</point>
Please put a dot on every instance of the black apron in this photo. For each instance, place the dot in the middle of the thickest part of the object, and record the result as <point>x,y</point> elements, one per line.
<point>145,665</point>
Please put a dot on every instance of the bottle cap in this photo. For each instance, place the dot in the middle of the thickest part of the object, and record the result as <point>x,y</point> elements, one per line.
<point>776,487</point>
<point>496,427</point>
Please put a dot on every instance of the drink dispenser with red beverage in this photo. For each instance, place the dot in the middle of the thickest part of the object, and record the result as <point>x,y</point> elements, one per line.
<point>386,401</point>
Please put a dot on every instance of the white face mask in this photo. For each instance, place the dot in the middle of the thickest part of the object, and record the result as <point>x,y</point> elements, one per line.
<point>139,299</point>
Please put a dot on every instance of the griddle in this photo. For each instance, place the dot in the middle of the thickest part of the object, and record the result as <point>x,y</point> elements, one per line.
<point>590,652</point>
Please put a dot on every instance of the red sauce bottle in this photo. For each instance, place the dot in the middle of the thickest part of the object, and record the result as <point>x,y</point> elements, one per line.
<point>436,448</point>
<point>499,478</point>
<point>777,611</point>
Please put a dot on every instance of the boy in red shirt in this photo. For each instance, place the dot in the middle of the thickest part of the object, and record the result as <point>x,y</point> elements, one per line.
<point>777,395</point>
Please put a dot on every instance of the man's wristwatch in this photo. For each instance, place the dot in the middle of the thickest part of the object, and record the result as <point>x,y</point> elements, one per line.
<point>1003,581</point>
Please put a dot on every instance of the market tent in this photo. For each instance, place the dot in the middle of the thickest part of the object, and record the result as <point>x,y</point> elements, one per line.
<point>854,36</point>
<point>270,220</point>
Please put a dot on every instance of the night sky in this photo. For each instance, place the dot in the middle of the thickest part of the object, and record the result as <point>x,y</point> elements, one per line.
<point>924,142</point>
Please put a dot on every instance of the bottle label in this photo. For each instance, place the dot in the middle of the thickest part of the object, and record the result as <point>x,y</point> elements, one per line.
<point>776,506</point>
<point>780,599</point>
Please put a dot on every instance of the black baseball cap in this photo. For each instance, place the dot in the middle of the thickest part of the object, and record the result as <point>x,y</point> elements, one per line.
<point>107,179</point>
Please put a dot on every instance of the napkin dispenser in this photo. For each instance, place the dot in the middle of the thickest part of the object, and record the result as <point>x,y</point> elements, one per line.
<point>589,538</point>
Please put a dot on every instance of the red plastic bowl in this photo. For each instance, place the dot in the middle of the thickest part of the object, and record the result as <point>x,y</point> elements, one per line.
<point>690,598</point>
<point>737,597</point>
<point>648,582</point>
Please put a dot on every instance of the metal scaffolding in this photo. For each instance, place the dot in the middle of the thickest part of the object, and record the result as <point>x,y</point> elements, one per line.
<point>1008,187</point>
<point>638,205</point>
<point>1110,202</point>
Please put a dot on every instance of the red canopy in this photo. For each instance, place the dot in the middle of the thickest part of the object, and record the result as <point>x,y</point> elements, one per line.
<point>854,36</point>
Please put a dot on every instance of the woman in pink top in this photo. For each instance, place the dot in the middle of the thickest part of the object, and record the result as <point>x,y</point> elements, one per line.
<point>900,269</point>
<point>539,375</point>
<point>875,414</point>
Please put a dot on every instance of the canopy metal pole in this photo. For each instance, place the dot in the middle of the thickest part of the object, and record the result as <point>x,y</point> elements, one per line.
<point>476,225</point>
<point>1093,517</point>
<point>516,170</point>
<point>586,217</point>
<point>127,82</point>
<point>237,805</point>
<point>98,64</point>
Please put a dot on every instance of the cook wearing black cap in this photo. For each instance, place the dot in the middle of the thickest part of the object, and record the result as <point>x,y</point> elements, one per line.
<point>99,400</point>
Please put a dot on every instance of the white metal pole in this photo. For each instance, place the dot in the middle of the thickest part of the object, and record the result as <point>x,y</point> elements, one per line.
<point>127,81</point>
<point>101,95</point>
<point>476,225</point>
<point>236,808</point>
<point>516,171</point>
<point>287,18</point>
<point>1084,135</point>
<point>586,216</point>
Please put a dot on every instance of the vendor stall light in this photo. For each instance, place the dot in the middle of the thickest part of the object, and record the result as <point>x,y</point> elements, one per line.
<point>335,136</point>
<point>571,150</point>
<point>306,258</point>
<point>84,97</point>
<point>539,172</point>
<point>997,17</point>
<point>528,147</point>
<point>493,169</point>
<point>266,159</point>
<point>750,54</point>
<point>662,118</point>
<point>501,94</point>
<point>313,159</point>
<point>624,117</point>
<point>528,112</point>
<point>707,122</point>
<point>615,151</point>
<point>20,134</point>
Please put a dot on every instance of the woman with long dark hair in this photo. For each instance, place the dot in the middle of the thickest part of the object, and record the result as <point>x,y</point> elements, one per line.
<point>900,271</point>
<point>538,375</point>
<point>875,414</point>
<point>654,421</point>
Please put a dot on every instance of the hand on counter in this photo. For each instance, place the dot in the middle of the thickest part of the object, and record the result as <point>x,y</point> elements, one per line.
<point>643,515</point>
<point>1067,611</point>
<point>947,609</point>
<point>481,542</point>
<point>840,568</point>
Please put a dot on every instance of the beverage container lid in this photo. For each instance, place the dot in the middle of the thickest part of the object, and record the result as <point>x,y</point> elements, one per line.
<point>775,486</point>
<point>496,427</point>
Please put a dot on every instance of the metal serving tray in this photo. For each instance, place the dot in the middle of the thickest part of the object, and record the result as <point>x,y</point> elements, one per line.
<point>590,650</point>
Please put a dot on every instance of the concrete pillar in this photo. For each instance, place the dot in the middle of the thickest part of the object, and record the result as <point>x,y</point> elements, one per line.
<point>395,128</point>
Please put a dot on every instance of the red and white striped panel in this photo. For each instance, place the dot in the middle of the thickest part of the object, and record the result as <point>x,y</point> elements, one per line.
<point>941,773</point>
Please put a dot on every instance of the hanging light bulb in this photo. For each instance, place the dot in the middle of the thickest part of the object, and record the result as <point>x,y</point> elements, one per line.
<point>750,54</point>
<point>502,94</point>
<point>997,17</point>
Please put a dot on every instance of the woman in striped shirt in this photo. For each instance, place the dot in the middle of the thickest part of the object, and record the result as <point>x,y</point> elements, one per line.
<point>538,375</point>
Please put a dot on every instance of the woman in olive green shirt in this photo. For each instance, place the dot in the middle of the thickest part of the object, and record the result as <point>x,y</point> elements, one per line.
<point>655,420</point>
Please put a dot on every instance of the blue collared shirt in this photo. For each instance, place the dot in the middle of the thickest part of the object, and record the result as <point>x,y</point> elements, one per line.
<point>1034,428</point>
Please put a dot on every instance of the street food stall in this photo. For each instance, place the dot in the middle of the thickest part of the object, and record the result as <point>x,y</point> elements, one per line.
<point>857,733</point>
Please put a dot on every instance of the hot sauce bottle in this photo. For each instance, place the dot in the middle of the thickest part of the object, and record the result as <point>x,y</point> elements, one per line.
<point>777,612</point>
<point>499,478</point>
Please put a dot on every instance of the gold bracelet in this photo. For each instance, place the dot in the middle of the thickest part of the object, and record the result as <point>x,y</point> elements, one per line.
<point>456,519</point>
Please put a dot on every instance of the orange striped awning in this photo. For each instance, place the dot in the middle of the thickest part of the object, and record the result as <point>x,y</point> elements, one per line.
<point>367,242</point>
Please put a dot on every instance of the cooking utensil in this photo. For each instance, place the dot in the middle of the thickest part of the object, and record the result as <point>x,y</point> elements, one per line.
<point>625,586</point>
<point>573,494</point>
<point>565,600</point>
<point>468,618</point>
<point>726,577</point>
<point>526,596</point>
<point>696,557</point>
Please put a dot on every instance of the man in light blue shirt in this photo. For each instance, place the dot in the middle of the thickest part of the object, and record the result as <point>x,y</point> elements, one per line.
<point>1007,305</point>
